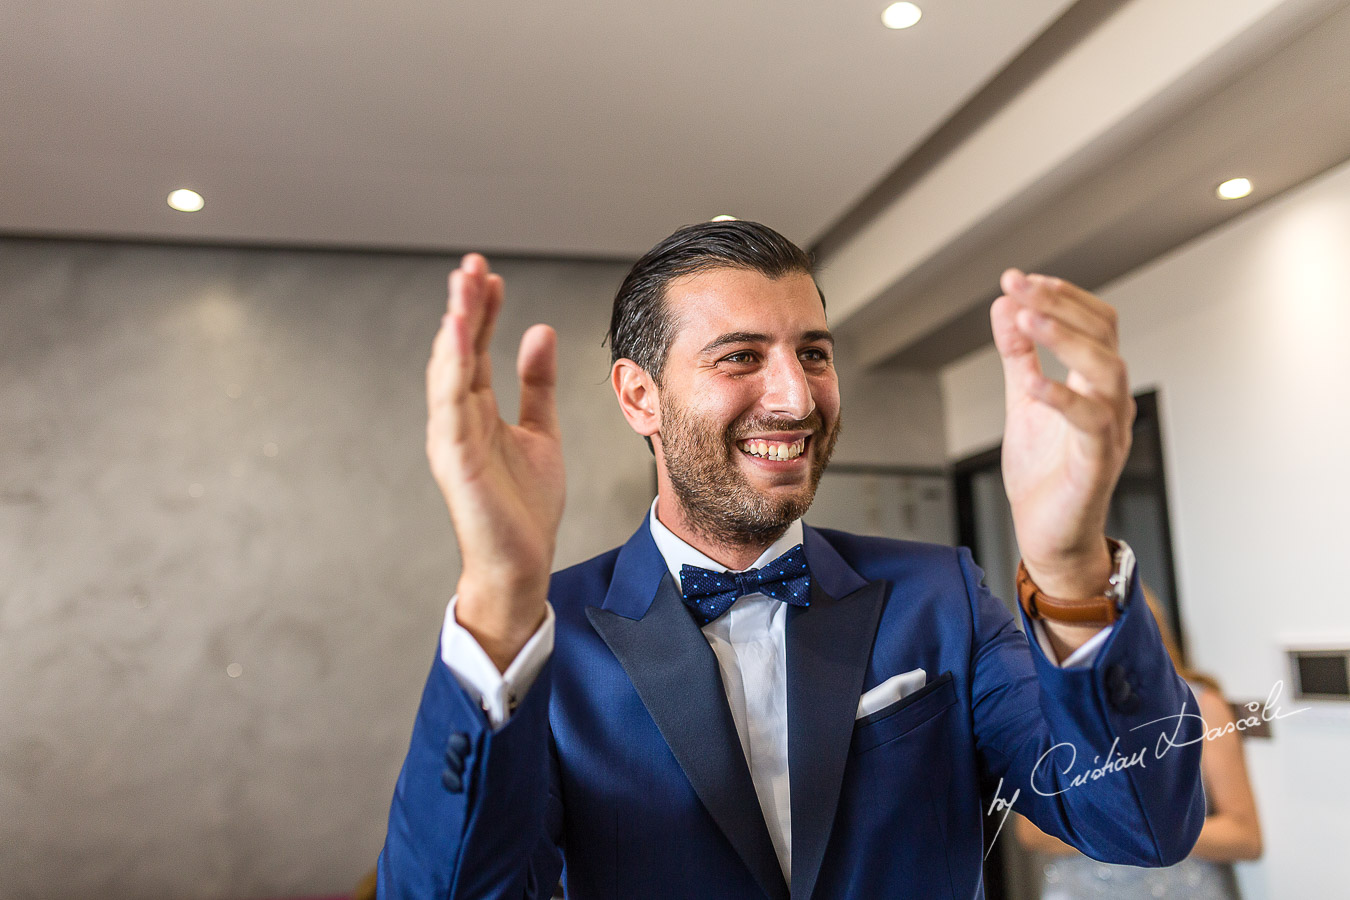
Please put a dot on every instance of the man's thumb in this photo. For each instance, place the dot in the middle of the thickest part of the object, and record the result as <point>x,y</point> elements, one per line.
<point>537,366</point>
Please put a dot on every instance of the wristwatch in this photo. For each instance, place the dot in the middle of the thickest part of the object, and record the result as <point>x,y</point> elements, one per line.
<point>1103,609</point>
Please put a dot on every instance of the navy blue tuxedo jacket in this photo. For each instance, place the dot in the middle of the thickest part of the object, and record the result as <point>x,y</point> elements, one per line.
<point>623,761</point>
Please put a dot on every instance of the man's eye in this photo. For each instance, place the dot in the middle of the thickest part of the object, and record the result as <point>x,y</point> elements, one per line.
<point>816,354</point>
<point>743,356</point>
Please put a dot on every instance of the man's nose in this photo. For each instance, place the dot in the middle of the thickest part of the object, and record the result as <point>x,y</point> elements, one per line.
<point>786,390</point>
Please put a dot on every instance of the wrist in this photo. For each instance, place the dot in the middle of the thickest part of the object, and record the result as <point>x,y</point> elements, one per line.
<point>1074,575</point>
<point>501,615</point>
<point>1080,608</point>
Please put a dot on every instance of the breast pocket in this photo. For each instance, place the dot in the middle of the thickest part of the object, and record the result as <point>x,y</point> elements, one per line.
<point>904,715</point>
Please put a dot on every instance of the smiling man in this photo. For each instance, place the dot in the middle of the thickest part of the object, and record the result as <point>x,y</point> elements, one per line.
<point>744,403</point>
<point>734,704</point>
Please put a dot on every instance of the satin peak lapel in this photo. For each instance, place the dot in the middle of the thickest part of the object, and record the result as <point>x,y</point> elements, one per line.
<point>828,646</point>
<point>675,673</point>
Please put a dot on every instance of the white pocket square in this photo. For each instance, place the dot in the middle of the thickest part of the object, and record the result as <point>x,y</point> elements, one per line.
<point>890,690</point>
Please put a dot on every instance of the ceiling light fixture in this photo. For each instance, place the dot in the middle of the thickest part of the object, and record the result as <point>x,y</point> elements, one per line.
<point>185,200</point>
<point>1234,189</point>
<point>901,15</point>
<point>724,218</point>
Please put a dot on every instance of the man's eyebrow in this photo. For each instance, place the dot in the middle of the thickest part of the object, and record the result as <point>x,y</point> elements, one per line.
<point>755,337</point>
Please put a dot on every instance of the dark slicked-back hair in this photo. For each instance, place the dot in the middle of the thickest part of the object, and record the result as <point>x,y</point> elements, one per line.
<point>641,327</point>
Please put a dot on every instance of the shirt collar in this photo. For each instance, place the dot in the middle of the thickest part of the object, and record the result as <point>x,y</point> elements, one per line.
<point>677,552</point>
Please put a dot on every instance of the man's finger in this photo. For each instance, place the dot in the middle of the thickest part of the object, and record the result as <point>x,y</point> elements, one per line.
<point>452,390</point>
<point>537,366</point>
<point>1011,343</point>
<point>448,420</point>
<point>1075,307</point>
<point>493,292</point>
<point>1090,300</point>
<point>468,286</point>
<point>1098,364</point>
<point>443,352</point>
<point>1087,415</point>
<point>1015,349</point>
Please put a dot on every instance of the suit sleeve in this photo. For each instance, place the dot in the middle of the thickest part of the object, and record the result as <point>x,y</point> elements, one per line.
<point>1105,756</point>
<point>476,812</point>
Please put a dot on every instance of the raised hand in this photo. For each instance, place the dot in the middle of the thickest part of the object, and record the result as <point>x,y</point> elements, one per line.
<point>1064,444</point>
<point>503,483</point>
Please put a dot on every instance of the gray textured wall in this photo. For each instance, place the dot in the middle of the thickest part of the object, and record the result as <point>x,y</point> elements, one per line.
<point>214,458</point>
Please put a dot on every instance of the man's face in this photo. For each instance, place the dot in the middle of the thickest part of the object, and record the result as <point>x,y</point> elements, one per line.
<point>749,401</point>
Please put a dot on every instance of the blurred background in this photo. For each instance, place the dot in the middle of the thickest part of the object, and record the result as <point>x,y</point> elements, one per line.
<point>223,562</point>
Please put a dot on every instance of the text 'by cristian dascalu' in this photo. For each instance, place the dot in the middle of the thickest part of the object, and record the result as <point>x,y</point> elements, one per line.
<point>1067,753</point>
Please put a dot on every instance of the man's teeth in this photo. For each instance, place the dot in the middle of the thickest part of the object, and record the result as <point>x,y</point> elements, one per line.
<point>773,449</point>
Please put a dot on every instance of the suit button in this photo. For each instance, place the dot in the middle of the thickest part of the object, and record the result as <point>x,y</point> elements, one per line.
<point>455,749</point>
<point>1119,692</point>
<point>1123,697</point>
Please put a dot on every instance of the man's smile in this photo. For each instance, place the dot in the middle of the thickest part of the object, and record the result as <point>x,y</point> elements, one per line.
<point>774,451</point>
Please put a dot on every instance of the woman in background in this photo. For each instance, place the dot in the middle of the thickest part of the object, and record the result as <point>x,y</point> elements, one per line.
<point>1232,830</point>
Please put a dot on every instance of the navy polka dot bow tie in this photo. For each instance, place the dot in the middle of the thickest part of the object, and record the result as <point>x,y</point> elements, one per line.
<point>709,594</point>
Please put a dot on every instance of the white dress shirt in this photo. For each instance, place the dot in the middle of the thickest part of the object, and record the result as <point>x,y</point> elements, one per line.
<point>749,644</point>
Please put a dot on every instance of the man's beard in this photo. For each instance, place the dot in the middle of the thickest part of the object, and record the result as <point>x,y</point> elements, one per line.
<point>719,501</point>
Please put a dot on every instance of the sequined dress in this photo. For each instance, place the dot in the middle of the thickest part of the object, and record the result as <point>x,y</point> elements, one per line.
<point>1079,878</point>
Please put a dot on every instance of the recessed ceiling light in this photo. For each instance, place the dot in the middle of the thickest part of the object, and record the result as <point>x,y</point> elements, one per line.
<point>901,15</point>
<point>724,218</point>
<point>184,200</point>
<point>1234,189</point>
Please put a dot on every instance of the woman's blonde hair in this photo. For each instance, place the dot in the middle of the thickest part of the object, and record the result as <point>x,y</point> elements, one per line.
<point>1173,648</point>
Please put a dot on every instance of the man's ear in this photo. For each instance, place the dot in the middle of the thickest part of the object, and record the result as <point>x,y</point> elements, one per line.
<point>638,397</point>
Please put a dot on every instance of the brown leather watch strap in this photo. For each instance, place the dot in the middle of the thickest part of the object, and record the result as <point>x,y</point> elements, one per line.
<point>1099,610</point>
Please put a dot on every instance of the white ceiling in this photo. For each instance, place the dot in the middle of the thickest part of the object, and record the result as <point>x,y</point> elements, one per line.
<point>1127,171</point>
<point>590,128</point>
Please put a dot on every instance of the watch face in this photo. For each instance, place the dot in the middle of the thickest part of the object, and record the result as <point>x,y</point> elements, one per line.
<point>1123,559</point>
<point>1117,593</point>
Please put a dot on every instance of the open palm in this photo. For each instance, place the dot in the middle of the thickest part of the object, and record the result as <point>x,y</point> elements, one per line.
<point>504,484</point>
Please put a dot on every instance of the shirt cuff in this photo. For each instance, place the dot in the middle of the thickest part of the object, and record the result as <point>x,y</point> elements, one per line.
<point>1085,655</point>
<point>497,692</point>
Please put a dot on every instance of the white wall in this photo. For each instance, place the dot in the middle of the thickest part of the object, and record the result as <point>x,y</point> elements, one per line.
<point>1244,333</point>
